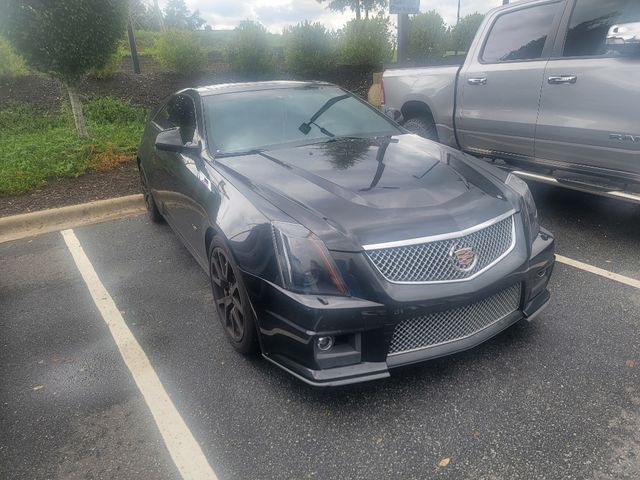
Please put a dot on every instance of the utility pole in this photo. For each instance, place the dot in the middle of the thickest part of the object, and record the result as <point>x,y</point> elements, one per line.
<point>458,18</point>
<point>403,8</point>
<point>132,47</point>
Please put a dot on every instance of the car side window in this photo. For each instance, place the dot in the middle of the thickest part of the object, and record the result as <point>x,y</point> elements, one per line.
<point>179,112</point>
<point>590,22</point>
<point>182,113</point>
<point>162,117</point>
<point>520,35</point>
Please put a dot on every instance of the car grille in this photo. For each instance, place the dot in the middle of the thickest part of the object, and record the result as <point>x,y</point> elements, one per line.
<point>443,327</point>
<point>434,261</point>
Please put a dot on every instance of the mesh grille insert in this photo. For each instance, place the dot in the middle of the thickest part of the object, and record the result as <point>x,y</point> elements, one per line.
<point>436,262</point>
<point>442,327</point>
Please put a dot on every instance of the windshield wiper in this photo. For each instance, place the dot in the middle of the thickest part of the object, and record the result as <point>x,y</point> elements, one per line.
<point>306,127</point>
<point>252,151</point>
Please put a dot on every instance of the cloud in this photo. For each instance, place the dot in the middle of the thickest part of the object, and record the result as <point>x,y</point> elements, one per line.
<point>277,14</point>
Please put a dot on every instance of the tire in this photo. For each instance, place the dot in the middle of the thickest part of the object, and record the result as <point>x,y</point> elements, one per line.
<point>150,203</point>
<point>231,300</point>
<point>423,126</point>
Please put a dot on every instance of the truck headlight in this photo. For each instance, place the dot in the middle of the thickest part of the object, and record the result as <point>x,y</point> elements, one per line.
<point>306,266</point>
<point>531,214</point>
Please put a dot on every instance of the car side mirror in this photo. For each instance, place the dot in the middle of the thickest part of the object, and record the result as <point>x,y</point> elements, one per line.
<point>171,141</point>
<point>624,38</point>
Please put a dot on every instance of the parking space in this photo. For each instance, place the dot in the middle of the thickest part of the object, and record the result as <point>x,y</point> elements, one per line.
<point>558,398</point>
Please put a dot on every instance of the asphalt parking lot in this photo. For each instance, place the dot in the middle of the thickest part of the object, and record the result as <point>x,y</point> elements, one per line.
<point>558,398</point>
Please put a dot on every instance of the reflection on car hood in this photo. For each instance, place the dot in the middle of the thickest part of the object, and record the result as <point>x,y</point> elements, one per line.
<point>361,191</point>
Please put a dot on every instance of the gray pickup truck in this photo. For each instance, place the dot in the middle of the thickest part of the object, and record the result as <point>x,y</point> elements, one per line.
<point>549,89</point>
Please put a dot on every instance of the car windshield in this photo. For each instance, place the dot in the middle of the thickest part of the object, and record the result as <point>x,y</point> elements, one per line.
<point>257,120</point>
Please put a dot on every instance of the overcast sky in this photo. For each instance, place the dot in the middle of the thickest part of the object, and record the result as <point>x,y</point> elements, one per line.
<point>276,14</point>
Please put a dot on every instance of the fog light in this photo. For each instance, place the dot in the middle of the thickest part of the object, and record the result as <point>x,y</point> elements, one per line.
<point>325,343</point>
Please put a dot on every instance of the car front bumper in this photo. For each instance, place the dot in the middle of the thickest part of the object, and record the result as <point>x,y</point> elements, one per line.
<point>290,324</point>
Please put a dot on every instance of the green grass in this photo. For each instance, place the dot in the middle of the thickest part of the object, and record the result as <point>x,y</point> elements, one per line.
<point>37,146</point>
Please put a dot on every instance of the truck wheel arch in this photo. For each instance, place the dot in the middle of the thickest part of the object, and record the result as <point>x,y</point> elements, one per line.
<point>414,110</point>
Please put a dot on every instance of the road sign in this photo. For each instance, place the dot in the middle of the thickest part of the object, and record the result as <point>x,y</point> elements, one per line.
<point>404,7</point>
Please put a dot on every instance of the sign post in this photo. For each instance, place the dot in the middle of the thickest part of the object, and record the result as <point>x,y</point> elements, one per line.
<point>403,8</point>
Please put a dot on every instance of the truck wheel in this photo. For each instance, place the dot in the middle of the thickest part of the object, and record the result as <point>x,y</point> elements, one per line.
<point>423,126</point>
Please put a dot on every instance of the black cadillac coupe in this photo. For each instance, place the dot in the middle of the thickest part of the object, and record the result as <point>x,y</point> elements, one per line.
<point>338,244</point>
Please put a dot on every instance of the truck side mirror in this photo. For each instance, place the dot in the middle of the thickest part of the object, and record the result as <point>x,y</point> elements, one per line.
<point>624,38</point>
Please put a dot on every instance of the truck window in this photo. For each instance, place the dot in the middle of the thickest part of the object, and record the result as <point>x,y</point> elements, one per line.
<point>590,22</point>
<point>519,35</point>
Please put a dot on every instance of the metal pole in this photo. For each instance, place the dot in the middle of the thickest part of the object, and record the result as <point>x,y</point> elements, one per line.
<point>458,19</point>
<point>403,37</point>
<point>133,48</point>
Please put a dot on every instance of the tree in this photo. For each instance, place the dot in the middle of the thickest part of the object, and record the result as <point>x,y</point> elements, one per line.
<point>309,50</point>
<point>145,17</point>
<point>178,16</point>
<point>427,36</point>
<point>249,51</point>
<point>366,42</point>
<point>355,6</point>
<point>465,31</point>
<point>65,38</point>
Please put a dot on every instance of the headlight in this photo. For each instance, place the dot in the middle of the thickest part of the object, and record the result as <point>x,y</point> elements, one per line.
<point>531,215</point>
<point>305,263</point>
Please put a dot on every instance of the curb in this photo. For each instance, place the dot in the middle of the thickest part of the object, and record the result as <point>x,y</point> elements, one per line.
<point>26,225</point>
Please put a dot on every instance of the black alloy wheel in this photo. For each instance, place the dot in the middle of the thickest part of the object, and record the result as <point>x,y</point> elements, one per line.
<point>232,303</point>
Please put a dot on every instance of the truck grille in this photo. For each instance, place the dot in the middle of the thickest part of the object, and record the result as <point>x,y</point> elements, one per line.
<point>433,262</point>
<point>443,327</point>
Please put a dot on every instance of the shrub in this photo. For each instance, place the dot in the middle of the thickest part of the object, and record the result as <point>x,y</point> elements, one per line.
<point>113,64</point>
<point>366,42</point>
<point>179,52</point>
<point>309,50</point>
<point>465,31</point>
<point>107,110</point>
<point>11,65</point>
<point>249,51</point>
<point>427,36</point>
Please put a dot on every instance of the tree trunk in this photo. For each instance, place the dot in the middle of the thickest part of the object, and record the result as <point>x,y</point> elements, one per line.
<point>357,9</point>
<point>76,108</point>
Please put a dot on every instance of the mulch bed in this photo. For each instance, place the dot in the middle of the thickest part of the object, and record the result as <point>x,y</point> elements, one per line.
<point>61,192</point>
<point>146,90</point>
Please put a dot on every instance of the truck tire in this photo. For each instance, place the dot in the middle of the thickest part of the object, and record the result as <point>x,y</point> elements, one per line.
<point>423,126</point>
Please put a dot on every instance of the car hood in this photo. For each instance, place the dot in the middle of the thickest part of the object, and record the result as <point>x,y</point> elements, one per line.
<point>357,192</point>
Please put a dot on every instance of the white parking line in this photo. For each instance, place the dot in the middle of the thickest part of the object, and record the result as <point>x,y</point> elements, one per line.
<point>185,451</point>
<point>632,282</point>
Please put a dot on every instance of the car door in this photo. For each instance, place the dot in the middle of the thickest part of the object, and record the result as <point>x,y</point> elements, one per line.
<point>589,118</point>
<point>188,182</point>
<point>499,87</point>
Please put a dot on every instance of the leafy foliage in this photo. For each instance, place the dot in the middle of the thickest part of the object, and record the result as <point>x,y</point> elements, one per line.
<point>36,146</point>
<point>427,36</point>
<point>356,6</point>
<point>178,16</point>
<point>249,51</point>
<point>64,38</point>
<point>366,42</point>
<point>179,52</point>
<point>112,67</point>
<point>109,110</point>
<point>464,32</point>
<point>309,50</point>
<point>145,17</point>
<point>11,65</point>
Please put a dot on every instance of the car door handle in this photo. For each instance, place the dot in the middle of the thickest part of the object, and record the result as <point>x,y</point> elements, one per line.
<point>563,79</point>
<point>477,81</point>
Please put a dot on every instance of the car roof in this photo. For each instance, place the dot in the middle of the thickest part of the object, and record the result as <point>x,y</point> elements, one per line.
<point>252,86</point>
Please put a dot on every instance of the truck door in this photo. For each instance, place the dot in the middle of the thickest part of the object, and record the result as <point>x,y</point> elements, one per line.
<point>589,117</point>
<point>500,84</point>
